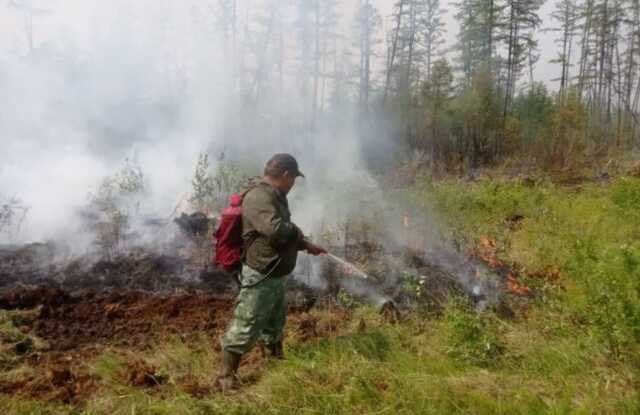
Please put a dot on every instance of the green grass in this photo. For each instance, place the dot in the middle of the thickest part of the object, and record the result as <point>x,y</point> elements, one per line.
<point>573,349</point>
<point>591,234</point>
<point>399,369</point>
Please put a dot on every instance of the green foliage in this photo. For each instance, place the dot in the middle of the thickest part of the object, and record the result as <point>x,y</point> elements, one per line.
<point>611,279</point>
<point>589,236</point>
<point>211,190</point>
<point>477,118</point>
<point>202,184</point>
<point>567,130</point>
<point>228,177</point>
<point>626,194</point>
<point>382,368</point>
<point>532,109</point>
<point>412,284</point>
<point>471,337</point>
<point>534,105</point>
<point>373,345</point>
<point>112,208</point>
<point>573,350</point>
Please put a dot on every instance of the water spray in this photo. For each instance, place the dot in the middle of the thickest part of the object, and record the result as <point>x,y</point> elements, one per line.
<point>352,268</point>
<point>387,306</point>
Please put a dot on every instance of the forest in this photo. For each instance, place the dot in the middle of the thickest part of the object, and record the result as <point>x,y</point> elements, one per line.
<point>471,168</point>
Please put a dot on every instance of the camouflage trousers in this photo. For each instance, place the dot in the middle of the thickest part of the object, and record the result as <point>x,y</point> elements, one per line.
<point>260,313</point>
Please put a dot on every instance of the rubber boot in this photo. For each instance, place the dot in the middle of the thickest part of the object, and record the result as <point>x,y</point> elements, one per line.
<point>275,351</point>
<point>228,379</point>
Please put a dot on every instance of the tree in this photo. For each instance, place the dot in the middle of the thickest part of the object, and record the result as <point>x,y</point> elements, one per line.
<point>368,23</point>
<point>202,185</point>
<point>433,29</point>
<point>437,93</point>
<point>518,33</point>
<point>566,17</point>
<point>392,47</point>
<point>478,20</point>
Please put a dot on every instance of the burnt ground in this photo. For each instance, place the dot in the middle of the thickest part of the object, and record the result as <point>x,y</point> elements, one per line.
<point>77,308</point>
<point>68,321</point>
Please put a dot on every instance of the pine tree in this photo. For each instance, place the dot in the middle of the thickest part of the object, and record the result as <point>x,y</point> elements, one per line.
<point>566,17</point>
<point>202,184</point>
<point>433,29</point>
<point>521,20</point>
<point>437,93</point>
<point>368,23</point>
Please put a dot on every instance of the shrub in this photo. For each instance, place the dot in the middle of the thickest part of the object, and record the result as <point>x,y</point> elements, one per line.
<point>111,209</point>
<point>202,184</point>
<point>211,191</point>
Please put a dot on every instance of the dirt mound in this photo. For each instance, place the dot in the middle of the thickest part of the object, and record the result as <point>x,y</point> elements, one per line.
<point>72,320</point>
<point>24,298</point>
<point>73,327</point>
<point>67,321</point>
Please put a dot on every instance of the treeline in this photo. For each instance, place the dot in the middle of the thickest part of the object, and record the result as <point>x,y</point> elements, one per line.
<point>475,103</point>
<point>294,73</point>
<point>480,103</point>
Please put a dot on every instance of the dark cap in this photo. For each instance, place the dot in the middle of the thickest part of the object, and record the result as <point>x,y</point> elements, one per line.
<point>280,163</point>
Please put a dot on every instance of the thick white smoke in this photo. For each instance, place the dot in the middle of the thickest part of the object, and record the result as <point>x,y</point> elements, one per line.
<point>158,82</point>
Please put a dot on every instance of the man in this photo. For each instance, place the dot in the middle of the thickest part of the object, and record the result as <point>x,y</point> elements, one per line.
<point>271,243</point>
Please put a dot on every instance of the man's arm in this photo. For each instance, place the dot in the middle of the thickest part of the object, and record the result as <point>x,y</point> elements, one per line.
<point>314,249</point>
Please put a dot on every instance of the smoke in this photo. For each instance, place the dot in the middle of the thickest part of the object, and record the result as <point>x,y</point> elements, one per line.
<point>158,83</point>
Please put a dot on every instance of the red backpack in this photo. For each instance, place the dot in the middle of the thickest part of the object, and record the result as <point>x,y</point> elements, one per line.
<point>229,244</point>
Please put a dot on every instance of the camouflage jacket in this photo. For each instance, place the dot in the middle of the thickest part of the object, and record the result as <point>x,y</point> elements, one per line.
<point>271,240</point>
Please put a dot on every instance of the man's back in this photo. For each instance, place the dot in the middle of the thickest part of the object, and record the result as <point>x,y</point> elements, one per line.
<point>272,241</point>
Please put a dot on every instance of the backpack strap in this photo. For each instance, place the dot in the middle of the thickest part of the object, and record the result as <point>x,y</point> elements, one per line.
<point>248,244</point>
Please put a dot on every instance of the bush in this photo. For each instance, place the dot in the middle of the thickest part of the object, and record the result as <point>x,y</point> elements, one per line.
<point>211,190</point>
<point>111,209</point>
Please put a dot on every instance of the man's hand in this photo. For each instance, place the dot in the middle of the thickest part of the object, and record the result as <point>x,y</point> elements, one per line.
<point>315,250</point>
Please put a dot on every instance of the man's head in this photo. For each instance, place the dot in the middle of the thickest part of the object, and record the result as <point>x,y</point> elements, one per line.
<point>281,172</point>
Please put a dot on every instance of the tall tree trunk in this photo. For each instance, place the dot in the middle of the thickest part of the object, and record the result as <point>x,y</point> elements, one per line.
<point>316,66</point>
<point>392,54</point>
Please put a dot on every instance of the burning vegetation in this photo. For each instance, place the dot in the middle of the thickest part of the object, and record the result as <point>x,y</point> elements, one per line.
<point>481,220</point>
<point>73,324</point>
<point>68,308</point>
